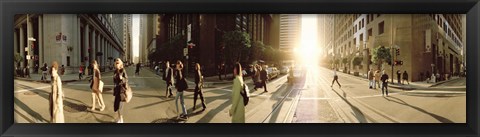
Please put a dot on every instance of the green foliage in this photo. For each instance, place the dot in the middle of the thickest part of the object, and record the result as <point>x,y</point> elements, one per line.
<point>18,58</point>
<point>256,51</point>
<point>357,60</point>
<point>171,50</point>
<point>345,60</point>
<point>235,44</point>
<point>381,54</point>
<point>336,61</point>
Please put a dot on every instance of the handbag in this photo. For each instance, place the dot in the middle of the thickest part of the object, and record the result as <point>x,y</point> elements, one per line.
<point>126,93</point>
<point>245,94</point>
<point>100,86</point>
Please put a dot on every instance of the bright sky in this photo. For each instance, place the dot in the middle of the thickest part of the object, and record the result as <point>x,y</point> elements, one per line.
<point>309,48</point>
<point>135,34</point>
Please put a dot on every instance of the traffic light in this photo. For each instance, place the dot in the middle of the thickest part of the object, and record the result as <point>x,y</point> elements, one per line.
<point>398,62</point>
<point>397,51</point>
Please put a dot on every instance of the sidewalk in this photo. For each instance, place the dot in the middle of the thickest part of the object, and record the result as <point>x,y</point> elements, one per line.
<point>38,78</point>
<point>415,85</point>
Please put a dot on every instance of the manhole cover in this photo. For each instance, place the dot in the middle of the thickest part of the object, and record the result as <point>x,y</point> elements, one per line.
<point>74,108</point>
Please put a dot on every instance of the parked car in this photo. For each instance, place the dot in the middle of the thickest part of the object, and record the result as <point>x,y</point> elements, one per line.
<point>272,72</point>
<point>284,70</point>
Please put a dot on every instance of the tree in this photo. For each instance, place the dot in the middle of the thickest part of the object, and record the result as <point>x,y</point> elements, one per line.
<point>357,60</point>
<point>18,58</point>
<point>256,51</point>
<point>235,43</point>
<point>336,62</point>
<point>381,55</point>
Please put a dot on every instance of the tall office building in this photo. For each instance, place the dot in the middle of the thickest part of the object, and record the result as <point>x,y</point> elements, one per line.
<point>290,31</point>
<point>426,43</point>
<point>70,39</point>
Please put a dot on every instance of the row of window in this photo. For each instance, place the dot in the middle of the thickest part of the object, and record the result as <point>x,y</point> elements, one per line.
<point>446,28</point>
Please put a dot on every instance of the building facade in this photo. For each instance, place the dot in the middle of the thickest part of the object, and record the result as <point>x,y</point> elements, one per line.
<point>290,31</point>
<point>426,42</point>
<point>205,31</point>
<point>70,39</point>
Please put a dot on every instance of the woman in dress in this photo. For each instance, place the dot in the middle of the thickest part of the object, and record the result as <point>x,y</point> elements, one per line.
<point>120,80</point>
<point>96,89</point>
<point>237,111</point>
<point>56,96</point>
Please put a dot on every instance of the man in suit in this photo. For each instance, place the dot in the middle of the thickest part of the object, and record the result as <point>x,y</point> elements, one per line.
<point>168,77</point>
<point>264,78</point>
<point>384,80</point>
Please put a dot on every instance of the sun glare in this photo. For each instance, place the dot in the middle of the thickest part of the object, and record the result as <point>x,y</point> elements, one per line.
<point>308,50</point>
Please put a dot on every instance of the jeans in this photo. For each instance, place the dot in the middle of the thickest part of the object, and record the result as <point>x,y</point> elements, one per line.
<point>180,95</point>
<point>371,83</point>
<point>385,85</point>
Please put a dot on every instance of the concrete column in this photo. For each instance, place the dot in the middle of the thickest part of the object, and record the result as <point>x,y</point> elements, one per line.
<point>104,52</point>
<point>22,47</point>
<point>94,44</point>
<point>40,41</point>
<point>86,44</point>
<point>29,43</point>
<point>77,48</point>
<point>15,45</point>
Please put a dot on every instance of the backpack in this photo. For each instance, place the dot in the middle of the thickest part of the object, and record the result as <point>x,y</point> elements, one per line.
<point>245,94</point>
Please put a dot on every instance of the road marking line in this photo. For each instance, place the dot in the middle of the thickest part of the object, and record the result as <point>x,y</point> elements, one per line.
<point>24,90</point>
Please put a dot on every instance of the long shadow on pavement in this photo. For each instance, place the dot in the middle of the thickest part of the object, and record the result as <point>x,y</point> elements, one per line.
<point>27,109</point>
<point>211,113</point>
<point>439,118</point>
<point>356,112</point>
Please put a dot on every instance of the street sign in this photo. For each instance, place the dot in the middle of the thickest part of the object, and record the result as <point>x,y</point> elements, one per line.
<point>185,51</point>
<point>189,32</point>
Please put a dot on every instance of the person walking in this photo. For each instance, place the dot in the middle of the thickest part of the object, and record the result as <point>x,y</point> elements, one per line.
<point>97,87</point>
<point>237,111</point>
<point>169,79</point>
<point>263,78</point>
<point>56,96</point>
<point>377,76</point>
<point>44,72</point>
<point>181,85</point>
<point>371,82</point>
<point>198,87</point>
<point>335,78</point>
<point>137,69</point>
<point>219,69</point>
<point>120,80</point>
<point>27,72</point>
<point>255,76</point>
<point>384,80</point>
<point>80,72</point>
<point>399,74</point>
<point>62,70</point>
<point>405,77</point>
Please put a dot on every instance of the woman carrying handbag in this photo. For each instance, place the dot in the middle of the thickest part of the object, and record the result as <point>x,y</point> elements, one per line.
<point>97,87</point>
<point>121,91</point>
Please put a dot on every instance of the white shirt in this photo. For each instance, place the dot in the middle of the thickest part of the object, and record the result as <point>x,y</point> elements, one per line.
<point>334,72</point>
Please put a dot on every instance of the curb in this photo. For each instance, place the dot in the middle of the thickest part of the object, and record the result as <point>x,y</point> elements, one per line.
<point>47,81</point>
